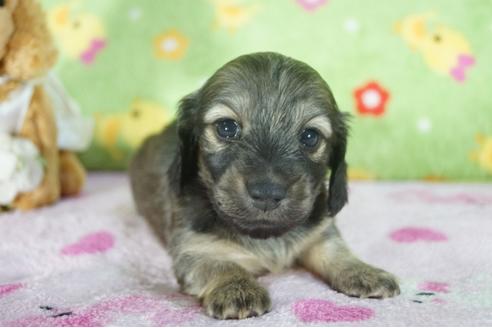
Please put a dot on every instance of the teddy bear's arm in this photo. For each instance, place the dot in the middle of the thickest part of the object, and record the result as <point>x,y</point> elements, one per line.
<point>40,127</point>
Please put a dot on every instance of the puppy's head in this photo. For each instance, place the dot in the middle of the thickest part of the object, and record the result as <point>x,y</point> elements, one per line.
<point>260,135</point>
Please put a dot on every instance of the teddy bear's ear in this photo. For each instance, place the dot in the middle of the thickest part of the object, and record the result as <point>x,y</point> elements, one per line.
<point>6,28</point>
<point>9,4</point>
<point>31,51</point>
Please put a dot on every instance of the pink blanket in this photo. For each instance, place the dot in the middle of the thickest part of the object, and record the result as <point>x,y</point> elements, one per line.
<point>92,261</point>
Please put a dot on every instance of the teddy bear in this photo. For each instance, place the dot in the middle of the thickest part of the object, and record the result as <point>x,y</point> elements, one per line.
<point>40,125</point>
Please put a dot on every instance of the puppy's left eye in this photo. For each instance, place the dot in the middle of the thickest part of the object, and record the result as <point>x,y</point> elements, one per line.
<point>309,138</point>
<point>228,129</point>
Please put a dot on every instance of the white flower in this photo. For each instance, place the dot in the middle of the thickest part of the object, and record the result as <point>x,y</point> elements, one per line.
<point>21,167</point>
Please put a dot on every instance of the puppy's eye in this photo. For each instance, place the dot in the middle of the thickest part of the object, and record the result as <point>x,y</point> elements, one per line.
<point>2,3</point>
<point>228,129</point>
<point>309,138</point>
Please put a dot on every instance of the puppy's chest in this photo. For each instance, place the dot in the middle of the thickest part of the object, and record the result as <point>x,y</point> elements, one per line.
<point>273,255</point>
<point>255,256</point>
<point>276,254</point>
<point>258,256</point>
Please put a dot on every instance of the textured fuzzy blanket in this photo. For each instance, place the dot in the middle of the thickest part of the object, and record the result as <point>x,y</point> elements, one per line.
<point>92,261</point>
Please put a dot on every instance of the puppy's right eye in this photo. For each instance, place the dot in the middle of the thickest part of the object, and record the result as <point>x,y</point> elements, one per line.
<point>2,3</point>
<point>228,129</point>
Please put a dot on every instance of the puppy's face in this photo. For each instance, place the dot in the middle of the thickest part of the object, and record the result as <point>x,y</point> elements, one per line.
<point>266,129</point>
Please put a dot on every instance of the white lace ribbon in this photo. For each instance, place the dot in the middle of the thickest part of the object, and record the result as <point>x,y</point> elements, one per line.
<point>74,130</point>
<point>21,167</point>
<point>13,109</point>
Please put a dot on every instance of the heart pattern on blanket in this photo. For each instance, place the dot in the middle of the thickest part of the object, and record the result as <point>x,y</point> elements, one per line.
<point>158,312</point>
<point>316,310</point>
<point>415,234</point>
<point>9,288</point>
<point>97,242</point>
<point>435,286</point>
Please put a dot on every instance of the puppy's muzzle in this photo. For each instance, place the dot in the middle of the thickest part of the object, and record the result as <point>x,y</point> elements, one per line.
<point>266,195</point>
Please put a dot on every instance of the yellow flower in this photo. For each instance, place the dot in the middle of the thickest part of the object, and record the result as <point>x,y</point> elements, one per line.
<point>231,15</point>
<point>484,155</point>
<point>170,45</point>
<point>434,178</point>
<point>360,174</point>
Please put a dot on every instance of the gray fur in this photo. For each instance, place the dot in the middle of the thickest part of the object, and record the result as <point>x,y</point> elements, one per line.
<point>191,186</point>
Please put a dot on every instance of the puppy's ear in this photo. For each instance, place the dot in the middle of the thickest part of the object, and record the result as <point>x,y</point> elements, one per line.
<point>184,166</point>
<point>337,193</point>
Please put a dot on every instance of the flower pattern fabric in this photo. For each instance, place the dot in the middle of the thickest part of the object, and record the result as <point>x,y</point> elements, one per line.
<point>371,99</point>
<point>413,79</point>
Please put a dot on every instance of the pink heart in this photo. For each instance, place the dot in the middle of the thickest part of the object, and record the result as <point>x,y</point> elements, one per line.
<point>435,286</point>
<point>9,288</point>
<point>439,301</point>
<point>104,313</point>
<point>320,310</point>
<point>413,234</point>
<point>97,242</point>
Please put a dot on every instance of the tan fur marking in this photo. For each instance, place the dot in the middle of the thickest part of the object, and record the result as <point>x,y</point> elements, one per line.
<point>323,256</point>
<point>321,123</point>
<point>219,111</point>
<point>211,247</point>
<point>268,255</point>
<point>210,141</point>
<point>319,154</point>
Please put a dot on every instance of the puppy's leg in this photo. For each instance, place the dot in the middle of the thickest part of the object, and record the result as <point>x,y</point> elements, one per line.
<point>226,290</point>
<point>332,260</point>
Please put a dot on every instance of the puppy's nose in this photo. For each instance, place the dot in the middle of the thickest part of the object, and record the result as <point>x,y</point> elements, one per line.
<point>266,196</point>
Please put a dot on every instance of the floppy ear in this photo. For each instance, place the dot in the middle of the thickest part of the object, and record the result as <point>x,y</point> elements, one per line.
<point>337,192</point>
<point>184,166</point>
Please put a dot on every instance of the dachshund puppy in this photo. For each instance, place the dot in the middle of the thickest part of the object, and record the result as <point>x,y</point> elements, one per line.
<point>235,187</point>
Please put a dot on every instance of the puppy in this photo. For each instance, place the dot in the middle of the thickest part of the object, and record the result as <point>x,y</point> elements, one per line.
<point>235,187</point>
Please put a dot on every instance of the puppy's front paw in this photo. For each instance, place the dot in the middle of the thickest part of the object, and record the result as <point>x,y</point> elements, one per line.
<point>237,299</point>
<point>362,280</point>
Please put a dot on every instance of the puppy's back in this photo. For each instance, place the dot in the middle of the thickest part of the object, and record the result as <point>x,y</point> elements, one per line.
<point>150,182</point>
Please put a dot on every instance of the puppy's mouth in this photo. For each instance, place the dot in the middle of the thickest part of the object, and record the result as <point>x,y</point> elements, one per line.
<point>258,229</point>
<point>263,229</point>
<point>260,224</point>
<point>241,209</point>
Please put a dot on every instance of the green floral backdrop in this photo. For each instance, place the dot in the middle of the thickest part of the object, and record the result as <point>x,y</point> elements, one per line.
<point>416,75</point>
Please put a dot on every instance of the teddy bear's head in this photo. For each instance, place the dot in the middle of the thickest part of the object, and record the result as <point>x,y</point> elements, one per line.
<point>6,24</point>
<point>26,47</point>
